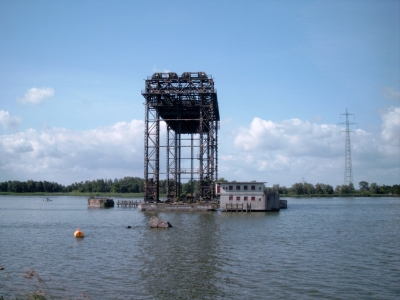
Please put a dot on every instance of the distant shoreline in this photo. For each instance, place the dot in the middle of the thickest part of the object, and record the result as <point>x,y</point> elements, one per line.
<point>125,195</point>
<point>140,195</point>
<point>340,196</point>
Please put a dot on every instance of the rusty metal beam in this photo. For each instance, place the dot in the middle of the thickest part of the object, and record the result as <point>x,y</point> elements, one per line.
<point>188,105</point>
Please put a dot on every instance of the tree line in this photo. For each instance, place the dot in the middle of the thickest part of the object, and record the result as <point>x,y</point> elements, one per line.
<point>136,185</point>
<point>124,185</point>
<point>365,189</point>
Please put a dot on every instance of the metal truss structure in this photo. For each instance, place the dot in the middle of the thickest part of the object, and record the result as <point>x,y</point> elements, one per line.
<point>348,169</point>
<point>188,106</point>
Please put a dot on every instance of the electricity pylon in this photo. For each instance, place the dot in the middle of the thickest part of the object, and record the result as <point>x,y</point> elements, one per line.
<point>348,170</point>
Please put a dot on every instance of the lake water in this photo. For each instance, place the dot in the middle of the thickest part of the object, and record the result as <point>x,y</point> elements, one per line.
<point>337,248</point>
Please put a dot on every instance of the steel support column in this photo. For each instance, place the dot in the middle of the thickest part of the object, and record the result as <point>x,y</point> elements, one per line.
<point>188,105</point>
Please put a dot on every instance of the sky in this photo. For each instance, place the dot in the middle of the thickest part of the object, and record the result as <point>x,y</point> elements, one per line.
<point>72,72</point>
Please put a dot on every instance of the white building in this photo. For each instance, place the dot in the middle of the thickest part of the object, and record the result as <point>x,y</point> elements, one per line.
<point>245,196</point>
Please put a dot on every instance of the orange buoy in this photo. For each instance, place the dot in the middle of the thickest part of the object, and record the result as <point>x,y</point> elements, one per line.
<point>78,234</point>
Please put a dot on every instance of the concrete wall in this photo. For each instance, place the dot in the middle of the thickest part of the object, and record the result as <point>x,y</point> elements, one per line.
<point>231,187</point>
<point>257,204</point>
<point>242,193</point>
<point>235,193</point>
<point>273,203</point>
<point>100,202</point>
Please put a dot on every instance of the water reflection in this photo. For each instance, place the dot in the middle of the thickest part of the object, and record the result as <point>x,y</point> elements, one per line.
<point>182,261</point>
<point>317,248</point>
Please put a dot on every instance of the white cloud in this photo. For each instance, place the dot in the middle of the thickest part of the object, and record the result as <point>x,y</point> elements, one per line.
<point>284,152</point>
<point>391,126</point>
<point>277,152</point>
<point>296,137</point>
<point>67,156</point>
<point>9,121</point>
<point>36,96</point>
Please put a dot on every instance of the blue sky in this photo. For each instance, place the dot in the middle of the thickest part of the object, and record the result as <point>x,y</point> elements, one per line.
<point>71,75</point>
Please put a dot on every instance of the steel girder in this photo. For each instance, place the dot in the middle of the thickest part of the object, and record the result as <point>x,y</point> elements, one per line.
<point>151,154</point>
<point>189,106</point>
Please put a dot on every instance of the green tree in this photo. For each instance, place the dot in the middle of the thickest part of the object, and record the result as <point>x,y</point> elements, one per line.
<point>309,188</point>
<point>14,186</point>
<point>345,189</point>
<point>297,189</point>
<point>31,186</point>
<point>319,189</point>
<point>385,189</point>
<point>396,189</point>
<point>351,187</point>
<point>39,187</point>
<point>222,179</point>
<point>276,188</point>
<point>3,186</point>
<point>373,188</point>
<point>283,190</point>
<point>337,189</point>
<point>115,187</point>
<point>328,189</point>
<point>364,186</point>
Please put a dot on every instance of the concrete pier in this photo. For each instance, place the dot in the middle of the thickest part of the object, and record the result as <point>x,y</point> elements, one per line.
<point>100,202</point>
<point>128,203</point>
<point>282,204</point>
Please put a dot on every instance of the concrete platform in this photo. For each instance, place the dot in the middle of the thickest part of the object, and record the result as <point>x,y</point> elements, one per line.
<point>179,207</point>
<point>100,203</point>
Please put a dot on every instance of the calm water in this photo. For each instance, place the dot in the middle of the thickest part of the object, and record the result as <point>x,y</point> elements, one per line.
<point>316,249</point>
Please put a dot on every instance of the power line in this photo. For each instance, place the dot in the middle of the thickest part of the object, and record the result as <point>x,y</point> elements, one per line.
<point>348,170</point>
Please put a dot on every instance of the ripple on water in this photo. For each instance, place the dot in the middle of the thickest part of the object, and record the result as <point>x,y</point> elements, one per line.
<point>317,248</point>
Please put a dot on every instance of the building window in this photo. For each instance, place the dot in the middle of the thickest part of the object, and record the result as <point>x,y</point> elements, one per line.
<point>245,187</point>
<point>238,187</point>
<point>245,198</point>
<point>237,198</point>
<point>231,187</point>
<point>259,188</point>
<point>230,197</point>
<point>253,187</point>
<point>253,198</point>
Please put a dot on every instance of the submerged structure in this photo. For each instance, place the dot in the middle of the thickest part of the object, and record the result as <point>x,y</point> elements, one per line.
<point>186,106</point>
<point>100,202</point>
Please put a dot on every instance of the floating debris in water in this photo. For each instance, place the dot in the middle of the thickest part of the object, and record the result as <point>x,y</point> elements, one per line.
<point>32,273</point>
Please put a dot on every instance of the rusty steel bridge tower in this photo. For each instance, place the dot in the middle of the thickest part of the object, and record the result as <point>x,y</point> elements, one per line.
<point>188,106</point>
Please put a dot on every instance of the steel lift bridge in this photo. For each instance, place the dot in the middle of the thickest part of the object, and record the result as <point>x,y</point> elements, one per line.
<point>188,106</point>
